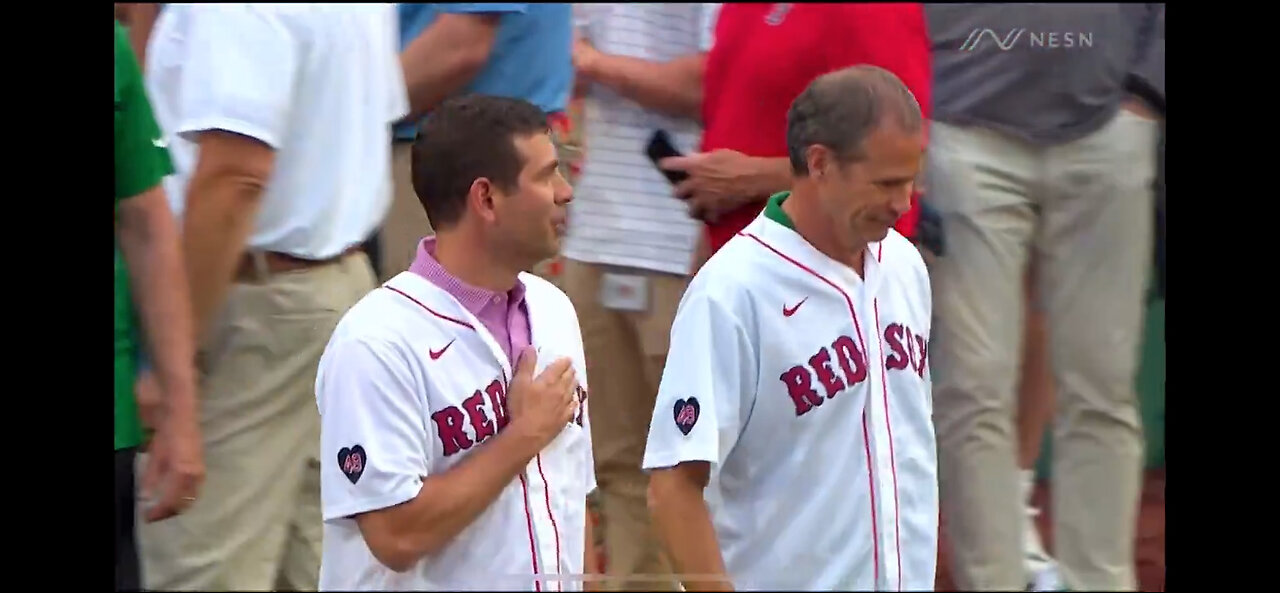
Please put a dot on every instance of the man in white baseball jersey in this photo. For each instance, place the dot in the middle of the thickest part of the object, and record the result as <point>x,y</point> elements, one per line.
<point>457,451</point>
<point>796,395</point>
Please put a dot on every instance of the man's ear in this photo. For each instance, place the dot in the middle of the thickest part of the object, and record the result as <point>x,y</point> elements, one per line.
<point>817,157</point>
<point>481,199</point>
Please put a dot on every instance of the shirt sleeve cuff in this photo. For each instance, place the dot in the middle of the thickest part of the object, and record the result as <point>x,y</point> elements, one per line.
<point>667,458</point>
<point>190,129</point>
<point>348,508</point>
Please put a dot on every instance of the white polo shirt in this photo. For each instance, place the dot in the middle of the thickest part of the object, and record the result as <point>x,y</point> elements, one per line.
<point>319,83</point>
<point>408,387</point>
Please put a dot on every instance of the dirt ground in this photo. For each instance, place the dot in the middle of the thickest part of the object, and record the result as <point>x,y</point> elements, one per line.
<point>1149,547</point>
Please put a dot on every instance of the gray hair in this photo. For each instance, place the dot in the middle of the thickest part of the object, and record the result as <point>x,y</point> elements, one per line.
<point>840,109</point>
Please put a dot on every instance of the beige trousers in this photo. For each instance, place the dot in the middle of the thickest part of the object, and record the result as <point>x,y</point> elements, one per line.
<point>1084,209</point>
<point>626,352</point>
<point>257,524</point>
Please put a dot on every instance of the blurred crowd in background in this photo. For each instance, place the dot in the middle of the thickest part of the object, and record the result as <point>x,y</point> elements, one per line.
<point>1041,214</point>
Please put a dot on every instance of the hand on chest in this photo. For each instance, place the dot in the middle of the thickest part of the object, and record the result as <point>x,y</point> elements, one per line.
<point>471,406</point>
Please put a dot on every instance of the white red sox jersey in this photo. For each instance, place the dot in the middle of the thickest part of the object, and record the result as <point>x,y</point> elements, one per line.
<point>807,388</point>
<point>409,385</point>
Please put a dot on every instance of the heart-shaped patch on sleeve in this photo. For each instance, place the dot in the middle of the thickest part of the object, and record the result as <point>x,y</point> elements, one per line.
<point>351,462</point>
<point>686,413</point>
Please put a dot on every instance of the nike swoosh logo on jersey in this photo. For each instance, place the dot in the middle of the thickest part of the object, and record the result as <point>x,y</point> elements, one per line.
<point>789,311</point>
<point>438,353</point>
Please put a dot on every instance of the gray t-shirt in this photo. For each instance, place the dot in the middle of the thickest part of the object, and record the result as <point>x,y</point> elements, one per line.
<point>1048,73</point>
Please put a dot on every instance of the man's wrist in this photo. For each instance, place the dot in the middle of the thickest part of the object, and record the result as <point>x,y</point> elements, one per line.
<point>590,66</point>
<point>181,403</point>
<point>764,180</point>
<point>522,439</point>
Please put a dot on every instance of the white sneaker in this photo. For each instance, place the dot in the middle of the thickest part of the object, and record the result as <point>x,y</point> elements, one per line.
<point>1034,556</point>
<point>1047,579</point>
<point>1042,570</point>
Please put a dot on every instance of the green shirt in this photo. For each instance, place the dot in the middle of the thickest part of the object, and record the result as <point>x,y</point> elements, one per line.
<point>141,163</point>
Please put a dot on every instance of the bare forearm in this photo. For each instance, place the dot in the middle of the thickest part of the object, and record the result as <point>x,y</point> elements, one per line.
<point>450,501</point>
<point>150,246</point>
<point>431,81</point>
<point>769,176</point>
<point>673,87</point>
<point>217,224</point>
<point>684,526</point>
<point>444,58</point>
<point>139,17</point>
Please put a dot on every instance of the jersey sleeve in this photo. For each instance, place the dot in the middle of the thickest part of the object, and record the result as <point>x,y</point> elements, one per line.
<point>238,74</point>
<point>707,387</point>
<point>374,452</point>
<point>141,158</point>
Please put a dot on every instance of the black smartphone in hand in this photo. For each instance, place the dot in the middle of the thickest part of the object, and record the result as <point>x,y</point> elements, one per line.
<point>661,147</point>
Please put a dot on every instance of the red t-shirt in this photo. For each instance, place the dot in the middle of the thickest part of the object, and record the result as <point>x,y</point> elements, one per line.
<point>766,54</point>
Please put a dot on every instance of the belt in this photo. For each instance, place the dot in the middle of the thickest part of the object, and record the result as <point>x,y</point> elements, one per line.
<point>256,266</point>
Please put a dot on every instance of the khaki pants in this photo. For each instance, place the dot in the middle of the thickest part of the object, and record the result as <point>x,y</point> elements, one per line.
<point>406,223</point>
<point>625,352</point>
<point>257,524</point>
<point>1085,209</point>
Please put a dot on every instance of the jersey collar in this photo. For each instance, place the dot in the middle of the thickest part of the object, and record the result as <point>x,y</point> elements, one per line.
<point>441,304</point>
<point>773,211</point>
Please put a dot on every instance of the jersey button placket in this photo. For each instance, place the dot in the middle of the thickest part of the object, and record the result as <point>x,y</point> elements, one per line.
<point>885,471</point>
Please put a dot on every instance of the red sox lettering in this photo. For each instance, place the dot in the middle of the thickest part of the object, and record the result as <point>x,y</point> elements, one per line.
<point>582,405</point>
<point>450,421</point>
<point>799,379</point>
<point>475,411</point>
<point>914,355</point>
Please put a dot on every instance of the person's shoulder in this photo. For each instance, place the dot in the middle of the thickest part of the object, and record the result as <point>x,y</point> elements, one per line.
<point>726,279</point>
<point>380,317</point>
<point>380,334</point>
<point>903,256</point>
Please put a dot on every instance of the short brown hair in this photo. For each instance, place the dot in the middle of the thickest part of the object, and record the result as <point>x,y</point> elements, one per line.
<point>840,109</point>
<point>464,139</point>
